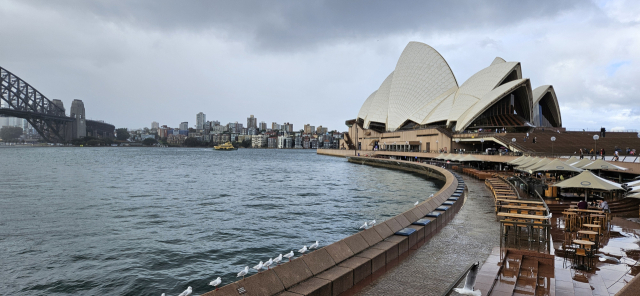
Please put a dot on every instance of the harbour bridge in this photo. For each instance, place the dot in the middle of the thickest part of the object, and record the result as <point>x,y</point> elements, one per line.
<point>47,117</point>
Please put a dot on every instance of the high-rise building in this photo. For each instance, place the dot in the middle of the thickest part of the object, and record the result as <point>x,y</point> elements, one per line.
<point>155,125</point>
<point>306,128</point>
<point>252,122</point>
<point>321,130</point>
<point>184,126</point>
<point>288,127</point>
<point>275,126</point>
<point>201,118</point>
<point>262,126</point>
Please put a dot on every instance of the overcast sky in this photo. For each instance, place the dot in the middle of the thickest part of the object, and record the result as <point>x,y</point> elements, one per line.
<point>134,62</point>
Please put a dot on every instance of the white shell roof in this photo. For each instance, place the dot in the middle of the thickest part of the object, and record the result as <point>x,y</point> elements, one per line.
<point>487,101</point>
<point>423,89</point>
<point>380,104</point>
<point>421,75</point>
<point>365,107</point>
<point>538,94</point>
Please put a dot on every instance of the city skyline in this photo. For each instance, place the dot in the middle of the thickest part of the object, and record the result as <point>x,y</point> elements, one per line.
<point>301,67</point>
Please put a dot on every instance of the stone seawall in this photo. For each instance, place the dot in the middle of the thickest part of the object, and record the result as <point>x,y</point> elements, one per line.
<point>337,267</point>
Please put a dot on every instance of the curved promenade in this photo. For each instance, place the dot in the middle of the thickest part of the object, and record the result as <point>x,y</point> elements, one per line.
<point>337,267</point>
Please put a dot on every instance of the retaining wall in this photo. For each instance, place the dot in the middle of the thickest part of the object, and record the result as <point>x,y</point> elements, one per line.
<point>337,267</point>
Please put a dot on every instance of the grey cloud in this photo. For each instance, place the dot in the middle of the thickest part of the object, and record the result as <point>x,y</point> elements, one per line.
<point>292,25</point>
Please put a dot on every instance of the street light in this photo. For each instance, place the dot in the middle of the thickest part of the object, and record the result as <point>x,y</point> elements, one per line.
<point>437,147</point>
<point>553,139</point>
<point>513,140</point>
<point>482,145</point>
<point>595,145</point>
<point>457,141</point>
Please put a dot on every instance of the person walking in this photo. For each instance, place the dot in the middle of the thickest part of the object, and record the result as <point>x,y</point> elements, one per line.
<point>581,153</point>
<point>616,156</point>
<point>602,153</point>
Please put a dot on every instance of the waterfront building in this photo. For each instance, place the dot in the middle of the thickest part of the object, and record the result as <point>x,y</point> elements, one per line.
<point>272,142</point>
<point>287,127</point>
<point>309,129</point>
<point>217,129</point>
<point>252,122</point>
<point>184,126</point>
<point>201,118</point>
<point>155,125</point>
<point>420,106</point>
<point>321,130</point>
<point>262,126</point>
<point>298,142</point>
<point>258,141</point>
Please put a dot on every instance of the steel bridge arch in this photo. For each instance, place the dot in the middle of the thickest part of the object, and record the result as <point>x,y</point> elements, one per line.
<point>24,101</point>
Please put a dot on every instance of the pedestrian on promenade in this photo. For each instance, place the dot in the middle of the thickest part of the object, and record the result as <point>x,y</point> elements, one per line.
<point>616,156</point>
<point>535,139</point>
<point>581,153</point>
<point>602,153</point>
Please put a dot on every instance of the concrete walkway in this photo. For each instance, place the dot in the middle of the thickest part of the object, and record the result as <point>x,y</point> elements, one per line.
<point>468,238</point>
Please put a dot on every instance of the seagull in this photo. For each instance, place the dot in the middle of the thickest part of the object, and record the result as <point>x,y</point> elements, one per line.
<point>364,226</point>
<point>548,216</point>
<point>259,266</point>
<point>278,259</point>
<point>372,222</point>
<point>304,249</point>
<point>288,255</point>
<point>216,283</point>
<point>243,272</point>
<point>470,282</point>
<point>431,195</point>
<point>417,202</point>
<point>162,294</point>
<point>268,263</point>
<point>186,292</point>
<point>314,245</point>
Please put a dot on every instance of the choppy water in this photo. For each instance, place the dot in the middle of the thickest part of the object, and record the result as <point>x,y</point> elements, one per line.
<point>143,221</point>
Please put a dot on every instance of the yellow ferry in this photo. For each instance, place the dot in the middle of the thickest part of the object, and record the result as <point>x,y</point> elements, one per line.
<point>225,146</point>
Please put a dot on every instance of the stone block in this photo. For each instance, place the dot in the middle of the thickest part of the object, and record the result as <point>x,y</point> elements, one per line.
<point>292,273</point>
<point>318,261</point>
<point>390,249</point>
<point>410,216</point>
<point>361,267</point>
<point>339,251</point>
<point>402,241</point>
<point>313,287</point>
<point>263,283</point>
<point>230,289</point>
<point>356,243</point>
<point>424,208</point>
<point>341,279</point>
<point>403,221</point>
<point>418,213</point>
<point>383,230</point>
<point>371,236</point>
<point>285,293</point>
<point>378,257</point>
<point>419,231</point>
<point>393,225</point>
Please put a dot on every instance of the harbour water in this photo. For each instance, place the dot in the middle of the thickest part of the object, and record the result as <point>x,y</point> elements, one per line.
<point>146,221</point>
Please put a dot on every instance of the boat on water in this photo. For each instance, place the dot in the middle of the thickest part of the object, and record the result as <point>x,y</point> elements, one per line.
<point>225,147</point>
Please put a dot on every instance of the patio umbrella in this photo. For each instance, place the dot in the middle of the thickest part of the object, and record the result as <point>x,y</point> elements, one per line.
<point>523,167</point>
<point>634,195</point>
<point>600,164</point>
<point>469,157</point>
<point>557,165</point>
<point>538,164</point>
<point>588,180</point>
<point>441,156</point>
<point>581,163</point>
<point>518,160</point>
<point>456,157</point>
<point>447,157</point>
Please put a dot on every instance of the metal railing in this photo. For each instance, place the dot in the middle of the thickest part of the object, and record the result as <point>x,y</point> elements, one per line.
<point>460,278</point>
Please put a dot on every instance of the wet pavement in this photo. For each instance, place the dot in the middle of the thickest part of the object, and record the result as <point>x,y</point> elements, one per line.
<point>607,276</point>
<point>429,270</point>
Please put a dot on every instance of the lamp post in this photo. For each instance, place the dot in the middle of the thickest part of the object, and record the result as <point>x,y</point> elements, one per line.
<point>553,139</point>
<point>482,146</point>
<point>437,146</point>
<point>513,140</point>
<point>595,145</point>
<point>457,141</point>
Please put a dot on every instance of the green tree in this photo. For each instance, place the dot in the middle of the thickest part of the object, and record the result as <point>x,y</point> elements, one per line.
<point>122,134</point>
<point>10,133</point>
<point>149,141</point>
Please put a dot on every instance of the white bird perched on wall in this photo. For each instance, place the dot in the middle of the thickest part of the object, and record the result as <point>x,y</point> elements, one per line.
<point>364,226</point>
<point>431,195</point>
<point>303,250</point>
<point>313,246</point>
<point>243,272</point>
<point>215,283</point>
<point>288,255</point>
<point>415,204</point>
<point>186,292</point>
<point>259,266</point>
<point>278,259</point>
<point>372,222</point>
<point>268,263</point>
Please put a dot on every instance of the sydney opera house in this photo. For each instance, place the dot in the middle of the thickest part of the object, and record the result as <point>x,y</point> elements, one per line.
<point>420,106</point>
